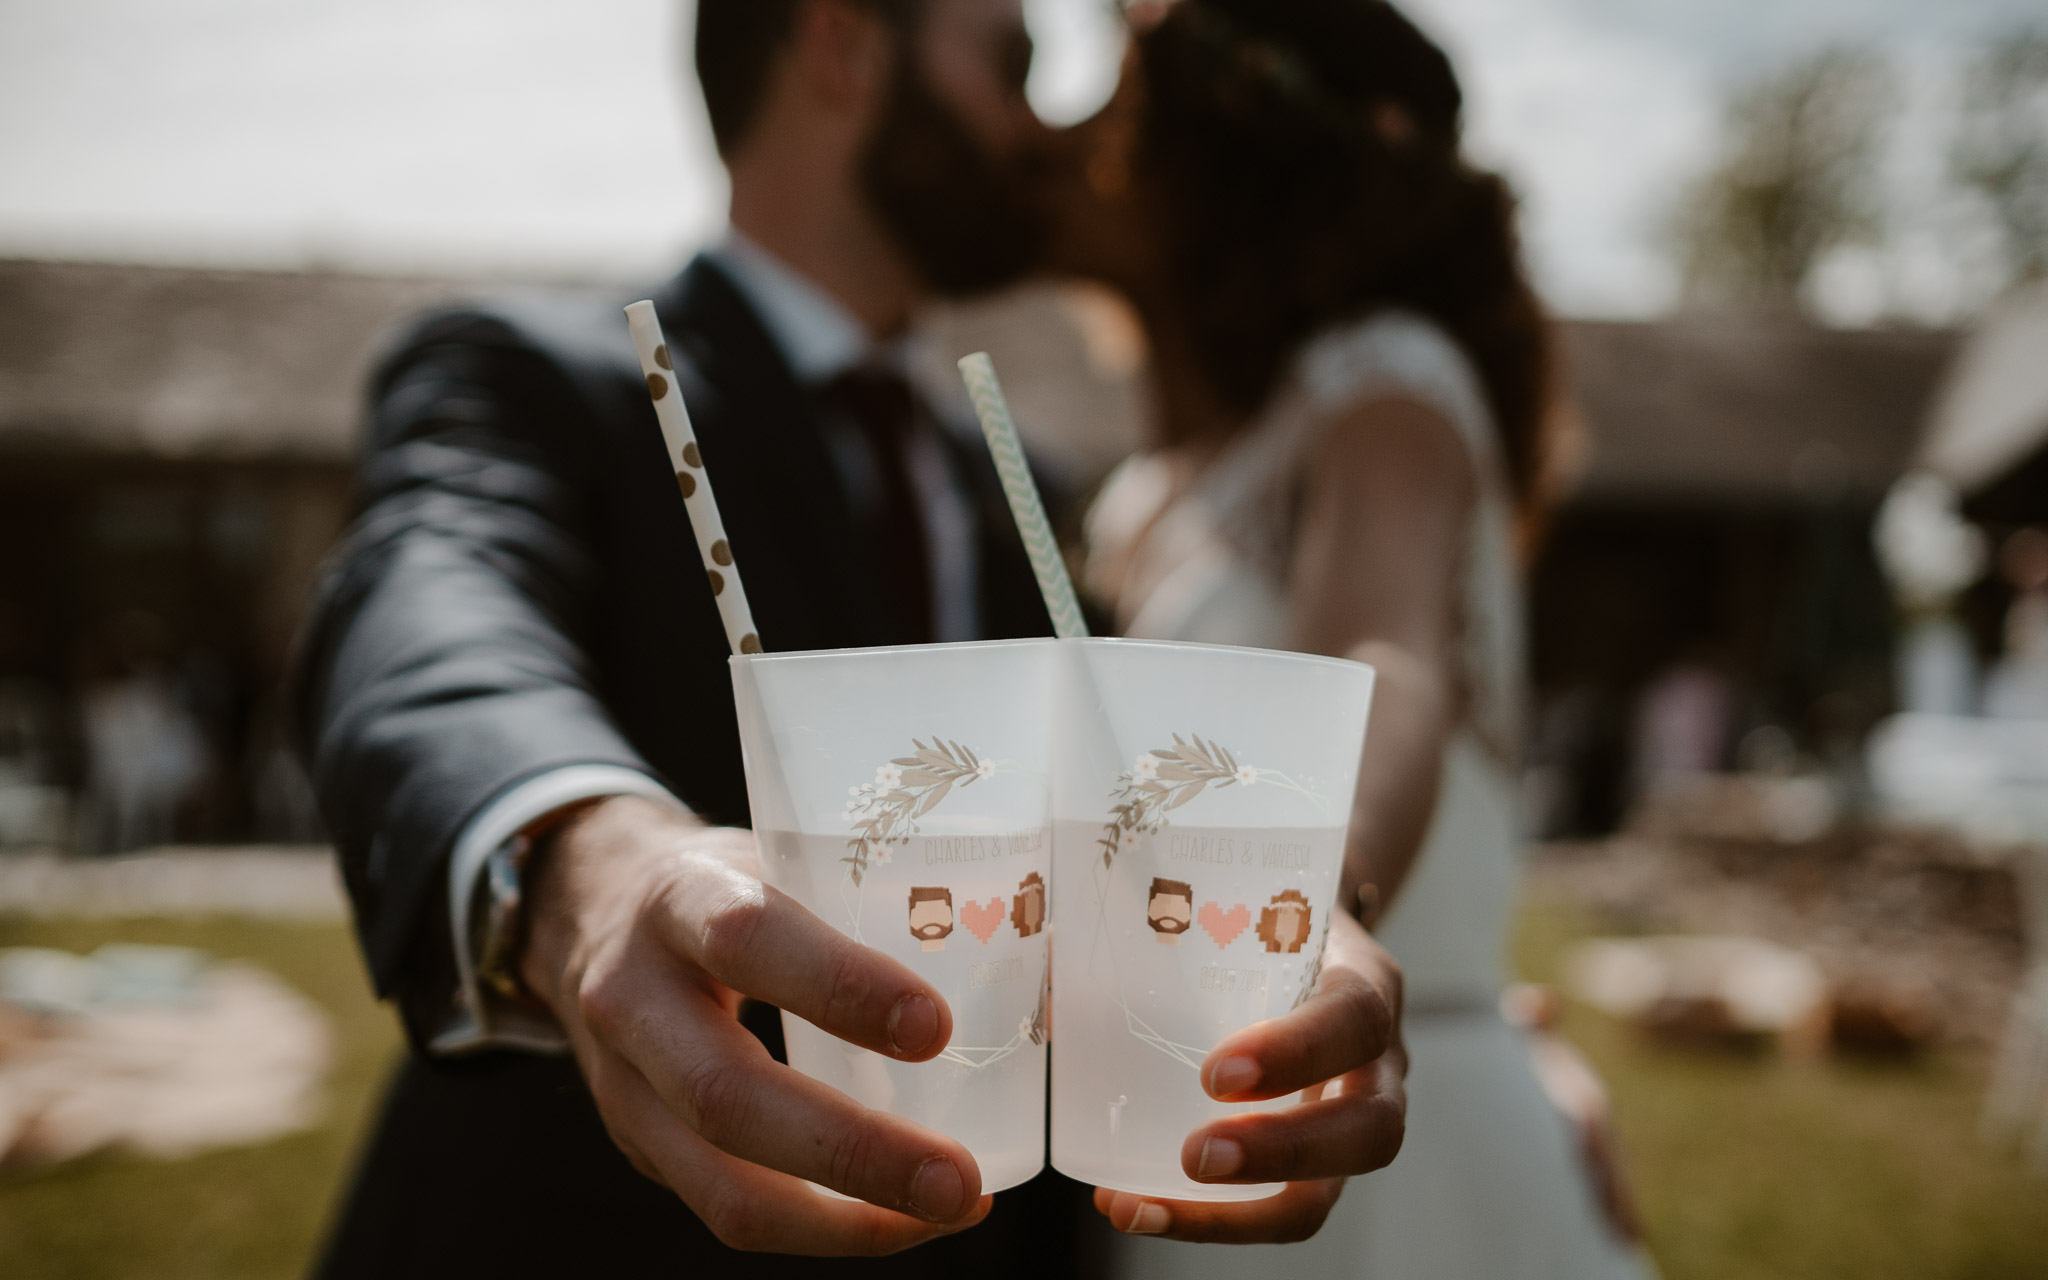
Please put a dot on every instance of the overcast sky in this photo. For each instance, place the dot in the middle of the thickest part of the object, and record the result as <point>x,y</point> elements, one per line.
<point>542,136</point>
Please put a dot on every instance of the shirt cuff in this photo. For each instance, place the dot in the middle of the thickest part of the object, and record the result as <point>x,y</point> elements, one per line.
<point>483,1019</point>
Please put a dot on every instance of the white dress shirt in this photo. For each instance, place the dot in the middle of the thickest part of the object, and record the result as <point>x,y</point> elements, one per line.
<point>820,339</point>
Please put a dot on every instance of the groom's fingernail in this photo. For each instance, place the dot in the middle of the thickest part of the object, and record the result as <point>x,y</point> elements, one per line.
<point>1149,1220</point>
<point>912,1024</point>
<point>1232,1076</point>
<point>1220,1158</point>
<point>938,1191</point>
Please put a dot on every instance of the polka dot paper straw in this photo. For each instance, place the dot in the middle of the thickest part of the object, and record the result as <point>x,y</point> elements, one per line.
<point>994,411</point>
<point>692,478</point>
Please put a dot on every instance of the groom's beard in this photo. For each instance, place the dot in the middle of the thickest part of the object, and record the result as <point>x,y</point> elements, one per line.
<point>968,222</point>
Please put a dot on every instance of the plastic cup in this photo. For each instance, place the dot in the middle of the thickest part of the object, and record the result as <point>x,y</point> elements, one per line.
<point>904,796</point>
<point>1202,795</point>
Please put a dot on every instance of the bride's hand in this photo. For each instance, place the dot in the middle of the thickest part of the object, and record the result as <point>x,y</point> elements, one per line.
<point>1341,1050</point>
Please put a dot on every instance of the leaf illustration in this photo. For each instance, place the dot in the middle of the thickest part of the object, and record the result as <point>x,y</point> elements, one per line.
<point>1186,769</point>
<point>931,799</point>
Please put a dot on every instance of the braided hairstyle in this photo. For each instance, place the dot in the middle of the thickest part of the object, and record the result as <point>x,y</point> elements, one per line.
<point>1310,152</point>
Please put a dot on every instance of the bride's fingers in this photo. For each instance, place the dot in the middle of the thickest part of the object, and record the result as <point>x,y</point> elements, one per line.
<point>1352,1018</point>
<point>1295,1214</point>
<point>1348,1132</point>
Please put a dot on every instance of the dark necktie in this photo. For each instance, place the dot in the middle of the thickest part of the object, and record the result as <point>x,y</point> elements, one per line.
<point>882,404</point>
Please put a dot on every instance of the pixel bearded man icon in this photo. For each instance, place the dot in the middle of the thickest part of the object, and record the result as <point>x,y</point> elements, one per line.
<point>1169,909</point>
<point>931,916</point>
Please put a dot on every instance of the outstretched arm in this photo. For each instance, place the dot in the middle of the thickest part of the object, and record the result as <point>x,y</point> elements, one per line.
<point>442,663</point>
<point>445,664</point>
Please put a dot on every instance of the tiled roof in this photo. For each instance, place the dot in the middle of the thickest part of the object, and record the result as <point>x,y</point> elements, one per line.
<point>188,363</point>
<point>178,363</point>
<point>1761,407</point>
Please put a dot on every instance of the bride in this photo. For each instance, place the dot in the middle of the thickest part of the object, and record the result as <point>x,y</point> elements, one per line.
<point>1352,381</point>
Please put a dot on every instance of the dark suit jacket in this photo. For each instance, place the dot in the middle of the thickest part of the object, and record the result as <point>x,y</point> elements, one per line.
<point>520,592</point>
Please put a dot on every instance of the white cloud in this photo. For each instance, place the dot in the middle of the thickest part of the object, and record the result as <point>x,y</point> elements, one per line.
<point>1080,51</point>
<point>1596,124</point>
<point>469,134</point>
<point>435,134</point>
<point>1602,110</point>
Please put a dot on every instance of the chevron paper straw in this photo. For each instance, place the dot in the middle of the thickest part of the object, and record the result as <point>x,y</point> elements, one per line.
<point>691,477</point>
<point>994,411</point>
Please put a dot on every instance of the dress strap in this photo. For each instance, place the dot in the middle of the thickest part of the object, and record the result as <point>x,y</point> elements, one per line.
<point>1398,353</point>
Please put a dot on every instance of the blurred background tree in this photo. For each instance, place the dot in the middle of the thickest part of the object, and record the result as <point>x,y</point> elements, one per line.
<point>1798,178</point>
<point>2001,146</point>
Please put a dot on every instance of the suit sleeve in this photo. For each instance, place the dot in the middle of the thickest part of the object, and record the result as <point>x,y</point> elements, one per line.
<point>443,662</point>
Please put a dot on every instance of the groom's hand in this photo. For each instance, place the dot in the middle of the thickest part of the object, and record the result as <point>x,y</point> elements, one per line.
<point>1342,1050</point>
<point>647,929</point>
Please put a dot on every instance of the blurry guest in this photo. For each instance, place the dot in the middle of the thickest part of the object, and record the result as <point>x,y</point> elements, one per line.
<point>1682,723</point>
<point>33,809</point>
<point>1931,554</point>
<point>516,710</point>
<point>144,754</point>
<point>144,751</point>
<point>2017,688</point>
<point>1353,380</point>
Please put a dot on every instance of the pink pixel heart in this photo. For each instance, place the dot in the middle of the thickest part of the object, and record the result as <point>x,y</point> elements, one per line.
<point>983,921</point>
<point>1224,926</point>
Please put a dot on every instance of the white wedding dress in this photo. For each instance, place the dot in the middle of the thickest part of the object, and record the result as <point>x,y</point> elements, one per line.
<point>1488,1184</point>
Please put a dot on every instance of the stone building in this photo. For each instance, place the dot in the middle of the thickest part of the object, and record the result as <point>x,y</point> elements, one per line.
<point>174,454</point>
<point>175,450</point>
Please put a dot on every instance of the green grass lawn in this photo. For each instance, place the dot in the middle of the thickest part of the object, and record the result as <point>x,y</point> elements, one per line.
<point>224,1215</point>
<point>1748,1168</point>
<point>1757,1167</point>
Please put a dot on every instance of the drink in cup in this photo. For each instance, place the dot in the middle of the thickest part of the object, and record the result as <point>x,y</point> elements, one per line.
<point>1202,799</point>
<point>903,795</point>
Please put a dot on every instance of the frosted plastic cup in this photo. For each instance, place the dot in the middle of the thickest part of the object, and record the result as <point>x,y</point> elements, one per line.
<point>904,796</point>
<point>1202,795</point>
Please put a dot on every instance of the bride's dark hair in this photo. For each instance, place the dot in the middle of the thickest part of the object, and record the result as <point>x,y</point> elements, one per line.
<point>1309,150</point>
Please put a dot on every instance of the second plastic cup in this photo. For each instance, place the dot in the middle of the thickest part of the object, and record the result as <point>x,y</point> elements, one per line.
<point>1203,795</point>
<point>904,796</point>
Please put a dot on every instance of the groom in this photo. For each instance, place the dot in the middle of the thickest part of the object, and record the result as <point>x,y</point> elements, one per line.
<point>513,699</point>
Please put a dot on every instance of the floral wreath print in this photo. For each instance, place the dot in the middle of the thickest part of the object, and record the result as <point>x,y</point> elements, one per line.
<point>1165,778</point>
<point>1160,781</point>
<point>884,814</point>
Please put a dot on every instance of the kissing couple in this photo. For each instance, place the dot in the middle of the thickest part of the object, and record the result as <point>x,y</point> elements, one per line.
<point>513,698</point>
